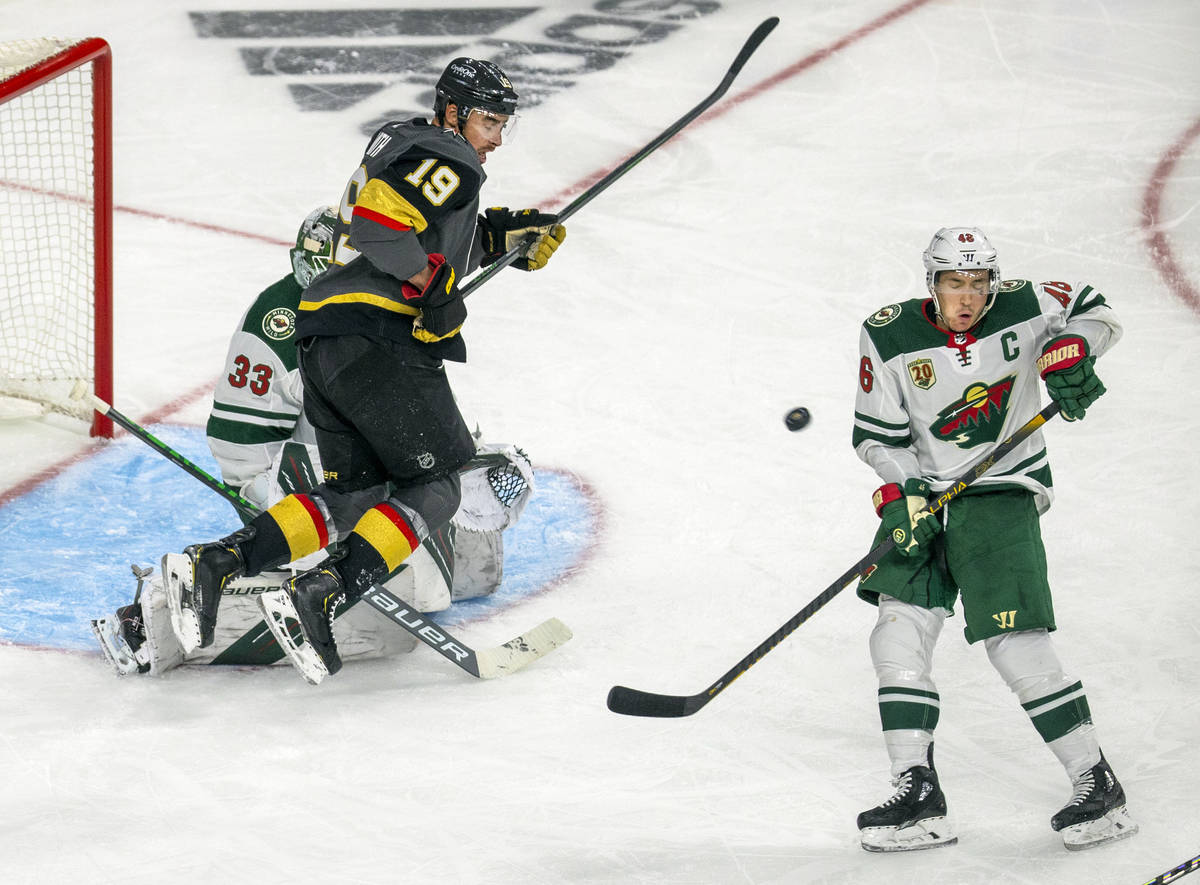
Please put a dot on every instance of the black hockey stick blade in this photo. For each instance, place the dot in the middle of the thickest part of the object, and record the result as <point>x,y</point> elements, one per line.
<point>634,702</point>
<point>752,43</point>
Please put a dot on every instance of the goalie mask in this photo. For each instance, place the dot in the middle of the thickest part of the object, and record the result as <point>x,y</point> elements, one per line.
<point>961,248</point>
<point>313,251</point>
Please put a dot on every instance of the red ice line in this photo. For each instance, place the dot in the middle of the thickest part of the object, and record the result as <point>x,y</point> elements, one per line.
<point>1157,240</point>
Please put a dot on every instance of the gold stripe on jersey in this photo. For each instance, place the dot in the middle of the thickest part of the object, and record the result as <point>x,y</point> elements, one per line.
<point>380,301</point>
<point>380,199</point>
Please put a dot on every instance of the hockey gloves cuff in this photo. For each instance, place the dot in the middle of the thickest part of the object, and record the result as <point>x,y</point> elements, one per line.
<point>505,229</point>
<point>904,514</point>
<point>442,309</point>
<point>1070,378</point>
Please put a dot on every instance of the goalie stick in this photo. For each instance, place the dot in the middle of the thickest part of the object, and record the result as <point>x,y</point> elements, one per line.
<point>748,48</point>
<point>485,663</point>
<point>243,507</point>
<point>634,702</point>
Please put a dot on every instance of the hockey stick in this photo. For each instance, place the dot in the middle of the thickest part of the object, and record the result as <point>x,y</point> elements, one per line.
<point>486,663</point>
<point>243,507</point>
<point>748,48</point>
<point>633,702</point>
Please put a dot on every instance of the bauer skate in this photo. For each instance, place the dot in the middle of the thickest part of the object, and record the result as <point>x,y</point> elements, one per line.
<point>912,819</point>
<point>300,615</point>
<point>194,581</point>
<point>1096,813</point>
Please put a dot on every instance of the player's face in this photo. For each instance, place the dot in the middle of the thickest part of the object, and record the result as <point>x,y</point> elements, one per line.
<point>485,131</point>
<point>961,296</point>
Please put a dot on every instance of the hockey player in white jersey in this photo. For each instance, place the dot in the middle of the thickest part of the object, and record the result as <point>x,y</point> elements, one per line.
<point>942,380</point>
<point>266,449</point>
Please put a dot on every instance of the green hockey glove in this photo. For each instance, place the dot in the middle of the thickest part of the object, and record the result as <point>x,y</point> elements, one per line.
<point>904,515</point>
<point>442,309</point>
<point>1070,376</point>
<point>504,229</point>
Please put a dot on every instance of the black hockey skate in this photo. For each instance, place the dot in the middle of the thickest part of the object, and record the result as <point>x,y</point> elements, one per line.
<point>1096,813</point>
<point>121,638</point>
<point>194,582</point>
<point>913,818</point>
<point>312,600</point>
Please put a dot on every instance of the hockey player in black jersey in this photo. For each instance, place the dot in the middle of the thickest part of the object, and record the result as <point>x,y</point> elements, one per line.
<point>372,332</point>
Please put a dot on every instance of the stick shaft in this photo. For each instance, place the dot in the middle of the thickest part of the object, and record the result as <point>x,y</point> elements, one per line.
<point>633,702</point>
<point>752,43</point>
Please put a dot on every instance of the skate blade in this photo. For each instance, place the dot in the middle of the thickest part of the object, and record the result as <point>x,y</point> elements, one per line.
<point>177,577</point>
<point>116,650</point>
<point>1116,824</point>
<point>280,615</point>
<point>933,832</point>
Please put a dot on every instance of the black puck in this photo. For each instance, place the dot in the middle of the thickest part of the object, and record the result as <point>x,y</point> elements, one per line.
<point>797,419</point>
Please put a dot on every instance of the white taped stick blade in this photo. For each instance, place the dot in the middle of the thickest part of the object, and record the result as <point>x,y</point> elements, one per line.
<point>281,618</point>
<point>522,650</point>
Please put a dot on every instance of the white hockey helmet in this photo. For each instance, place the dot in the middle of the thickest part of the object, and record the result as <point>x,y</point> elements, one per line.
<point>961,248</point>
<point>313,251</point>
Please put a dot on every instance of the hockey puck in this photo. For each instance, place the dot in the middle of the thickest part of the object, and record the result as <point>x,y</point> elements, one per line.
<point>797,419</point>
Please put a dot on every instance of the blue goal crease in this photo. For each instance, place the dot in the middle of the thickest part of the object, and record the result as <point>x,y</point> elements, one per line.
<point>68,544</point>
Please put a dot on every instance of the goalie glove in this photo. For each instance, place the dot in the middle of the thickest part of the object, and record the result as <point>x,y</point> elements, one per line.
<point>904,515</point>
<point>442,309</point>
<point>1067,369</point>
<point>505,229</point>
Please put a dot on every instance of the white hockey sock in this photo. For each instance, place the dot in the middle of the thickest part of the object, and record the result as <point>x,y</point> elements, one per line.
<point>1055,702</point>
<point>1078,750</point>
<point>907,747</point>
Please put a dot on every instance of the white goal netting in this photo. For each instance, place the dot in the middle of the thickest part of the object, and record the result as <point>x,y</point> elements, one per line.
<point>48,275</point>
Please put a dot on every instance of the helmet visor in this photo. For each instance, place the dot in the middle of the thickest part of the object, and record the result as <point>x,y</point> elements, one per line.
<point>498,126</point>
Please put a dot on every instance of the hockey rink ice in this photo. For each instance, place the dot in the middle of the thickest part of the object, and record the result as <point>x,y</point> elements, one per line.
<point>713,288</point>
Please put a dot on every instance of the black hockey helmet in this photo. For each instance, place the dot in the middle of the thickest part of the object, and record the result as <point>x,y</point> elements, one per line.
<point>472,83</point>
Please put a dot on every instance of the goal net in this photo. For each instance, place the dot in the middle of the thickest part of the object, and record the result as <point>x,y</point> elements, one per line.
<point>56,217</point>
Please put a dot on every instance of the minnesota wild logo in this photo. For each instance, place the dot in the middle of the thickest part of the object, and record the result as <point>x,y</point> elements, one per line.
<point>978,417</point>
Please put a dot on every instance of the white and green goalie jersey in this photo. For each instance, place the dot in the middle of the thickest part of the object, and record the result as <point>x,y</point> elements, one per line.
<point>930,403</point>
<point>258,401</point>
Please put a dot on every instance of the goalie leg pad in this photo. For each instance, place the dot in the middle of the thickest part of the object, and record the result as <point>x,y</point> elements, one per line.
<point>478,564</point>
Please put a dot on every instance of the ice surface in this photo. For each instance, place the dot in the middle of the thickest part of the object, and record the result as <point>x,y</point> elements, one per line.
<point>716,286</point>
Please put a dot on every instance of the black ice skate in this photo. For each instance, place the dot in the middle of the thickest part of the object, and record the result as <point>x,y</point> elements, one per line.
<point>912,819</point>
<point>300,615</point>
<point>1096,813</point>
<point>194,581</point>
<point>121,638</point>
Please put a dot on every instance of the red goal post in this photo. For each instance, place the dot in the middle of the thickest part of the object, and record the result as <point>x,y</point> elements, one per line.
<point>56,206</point>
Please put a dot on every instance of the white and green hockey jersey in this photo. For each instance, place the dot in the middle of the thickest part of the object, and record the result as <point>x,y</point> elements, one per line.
<point>930,402</point>
<point>258,401</point>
